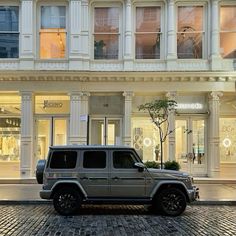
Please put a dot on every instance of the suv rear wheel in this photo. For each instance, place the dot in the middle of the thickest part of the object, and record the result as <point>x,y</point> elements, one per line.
<point>171,202</point>
<point>67,201</point>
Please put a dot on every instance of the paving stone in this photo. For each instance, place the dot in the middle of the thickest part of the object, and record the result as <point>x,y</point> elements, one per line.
<point>42,220</point>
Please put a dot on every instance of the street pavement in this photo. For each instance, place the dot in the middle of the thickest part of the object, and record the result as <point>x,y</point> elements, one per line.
<point>23,213</point>
<point>42,220</point>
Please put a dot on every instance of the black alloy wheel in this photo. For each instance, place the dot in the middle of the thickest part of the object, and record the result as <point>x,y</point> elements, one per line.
<point>67,201</point>
<point>171,202</point>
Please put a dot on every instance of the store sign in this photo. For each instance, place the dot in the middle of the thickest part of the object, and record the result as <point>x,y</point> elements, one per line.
<point>52,104</point>
<point>189,106</point>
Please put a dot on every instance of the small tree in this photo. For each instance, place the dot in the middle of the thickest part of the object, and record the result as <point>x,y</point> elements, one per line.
<point>159,111</point>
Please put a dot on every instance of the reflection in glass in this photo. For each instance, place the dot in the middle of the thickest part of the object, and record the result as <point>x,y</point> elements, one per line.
<point>9,32</point>
<point>190,32</point>
<point>106,33</point>
<point>10,147</point>
<point>105,46</point>
<point>53,32</point>
<point>60,132</point>
<point>44,138</point>
<point>228,34</point>
<point>148,33</point>
<point>228,140</point>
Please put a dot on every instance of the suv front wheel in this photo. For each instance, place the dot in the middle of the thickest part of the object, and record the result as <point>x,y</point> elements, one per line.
<point>67,201</point>
<point>171,202</point>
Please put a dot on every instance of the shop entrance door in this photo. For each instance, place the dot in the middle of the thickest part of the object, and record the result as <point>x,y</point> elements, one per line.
<point>50,131</point>
<point>105,131</point>
<point>190,134</point>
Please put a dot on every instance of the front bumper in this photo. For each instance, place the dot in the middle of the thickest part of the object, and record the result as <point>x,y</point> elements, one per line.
<point>45,194</point>
<point>193,194</point>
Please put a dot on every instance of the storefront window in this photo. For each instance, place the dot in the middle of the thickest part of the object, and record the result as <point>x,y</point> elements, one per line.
<point>10,136</point>
<point>9,32</point>
<point>106,33</point>
<point>190,32</point>
<point>145,139</point>
<point>228,31</point>
<point>228,140</point>
<point>52,104</point>
<point>53,32</point>
<point>148,33</point>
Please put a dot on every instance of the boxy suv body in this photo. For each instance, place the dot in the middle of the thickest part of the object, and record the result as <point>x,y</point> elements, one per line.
<point>74,175</point>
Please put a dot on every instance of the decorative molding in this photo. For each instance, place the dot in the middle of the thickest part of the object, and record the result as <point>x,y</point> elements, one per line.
<point>215,96</point>
<point>97,76</point>
<point>9,65</point>
<point>128,95</point>
<point>106,66</point>
<point>149,66</point>
<point>52,65</point>
<point>189,65</point>
<point>171,95</point>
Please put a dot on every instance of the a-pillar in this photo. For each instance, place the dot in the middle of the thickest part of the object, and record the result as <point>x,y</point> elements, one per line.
<point>171,36</point>
<point>27,35</point>
<point>78,117</point>
<point>215,40</point>
<point>128,62</point>
<point>213,160</point>
<point>171,136</point>
<point>27,124</point>
<point>127,118</point>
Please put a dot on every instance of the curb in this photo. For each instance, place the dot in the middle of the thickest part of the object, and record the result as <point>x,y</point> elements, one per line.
<point>215,202</point>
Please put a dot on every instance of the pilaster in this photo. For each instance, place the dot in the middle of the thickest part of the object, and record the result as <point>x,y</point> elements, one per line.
<point>213,160</point>
<point>75,30</point>
<point>84,42</point>
<point>128,62</point>
<point>27,33</point>
<point>127,118</point>
<point>171,120</point>
<point>78,117</point>
<point>215,37</point>
<point>171,36</point>
<point>27,124</point>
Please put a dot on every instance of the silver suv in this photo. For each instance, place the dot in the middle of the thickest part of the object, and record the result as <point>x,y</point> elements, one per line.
<point>74,175</point>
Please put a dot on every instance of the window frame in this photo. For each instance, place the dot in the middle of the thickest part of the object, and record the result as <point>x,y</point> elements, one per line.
<point>225,4</point>
<point>54,4</point>
<point>120,32</point>
<point>162,31</point>
<point>130,151</point>
<point>91,169</point>
<point>14,4</point>
<point>205,27</point>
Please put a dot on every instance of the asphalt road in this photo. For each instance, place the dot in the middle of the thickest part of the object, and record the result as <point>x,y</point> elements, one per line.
<point>42,220</point>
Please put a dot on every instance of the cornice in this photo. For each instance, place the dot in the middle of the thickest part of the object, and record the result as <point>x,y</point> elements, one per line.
<point>117,76</point>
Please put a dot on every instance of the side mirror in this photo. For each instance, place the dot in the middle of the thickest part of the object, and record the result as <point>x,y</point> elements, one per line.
<point>140,166</point>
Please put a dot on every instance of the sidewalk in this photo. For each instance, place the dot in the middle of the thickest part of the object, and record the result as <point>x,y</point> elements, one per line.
<point>210,193</point>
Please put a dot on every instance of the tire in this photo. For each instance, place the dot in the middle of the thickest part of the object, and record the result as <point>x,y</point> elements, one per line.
<point>67,201</point>
<point>171,202</point>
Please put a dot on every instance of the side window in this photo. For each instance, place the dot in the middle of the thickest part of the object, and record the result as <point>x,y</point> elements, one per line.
<point>123,160</point>
<point>63,160</point>
<point>94,159</point>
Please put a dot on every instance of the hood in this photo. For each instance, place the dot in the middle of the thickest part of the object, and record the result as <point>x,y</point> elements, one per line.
<point>167,174</point>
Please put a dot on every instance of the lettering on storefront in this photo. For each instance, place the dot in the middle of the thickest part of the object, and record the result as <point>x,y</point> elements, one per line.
<point>192,106</point>
<point>52,104</point>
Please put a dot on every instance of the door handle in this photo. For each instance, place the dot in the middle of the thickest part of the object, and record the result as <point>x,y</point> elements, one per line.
<point>115,178</point>
<point>84,178</point>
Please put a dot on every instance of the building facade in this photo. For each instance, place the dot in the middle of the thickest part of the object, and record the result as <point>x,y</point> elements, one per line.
<point>75,72</point>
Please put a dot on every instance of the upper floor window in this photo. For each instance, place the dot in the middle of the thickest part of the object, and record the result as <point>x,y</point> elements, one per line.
<point>53,32</point>
<point>148,33</point>
<point>106,33</point>
<point>9,32</point>
<point>190,32</point>
<point>228,31</point>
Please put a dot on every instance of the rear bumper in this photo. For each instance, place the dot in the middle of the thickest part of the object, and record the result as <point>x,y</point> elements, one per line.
<point>193,194</point>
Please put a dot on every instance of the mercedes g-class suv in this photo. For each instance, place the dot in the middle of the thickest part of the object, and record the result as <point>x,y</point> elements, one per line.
<point>73,175</point>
